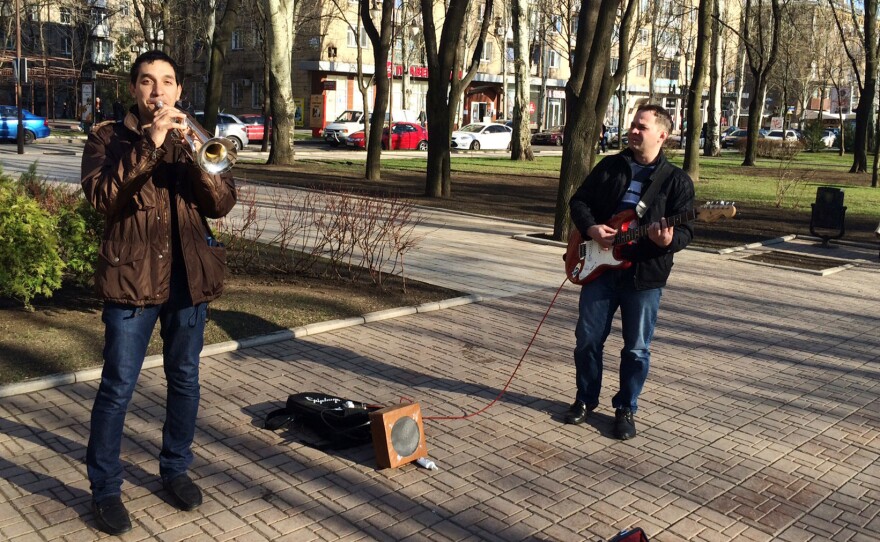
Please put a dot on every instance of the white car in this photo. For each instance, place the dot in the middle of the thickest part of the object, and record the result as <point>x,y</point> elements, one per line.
<point>829,136</point>
<point>481,135</point>
<point>228,126</point>
<point>790,135</point>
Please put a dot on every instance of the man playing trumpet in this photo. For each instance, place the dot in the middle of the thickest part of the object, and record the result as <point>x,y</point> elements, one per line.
<point>158,261</point>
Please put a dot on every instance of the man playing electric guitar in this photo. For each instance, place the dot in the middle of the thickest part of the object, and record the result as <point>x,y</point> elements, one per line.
<point>638,178</point>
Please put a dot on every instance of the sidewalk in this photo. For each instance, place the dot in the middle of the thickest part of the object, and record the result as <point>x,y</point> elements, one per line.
<point>759,422</point>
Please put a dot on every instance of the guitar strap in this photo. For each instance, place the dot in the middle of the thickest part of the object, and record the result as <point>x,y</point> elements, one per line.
<point>653,188</point>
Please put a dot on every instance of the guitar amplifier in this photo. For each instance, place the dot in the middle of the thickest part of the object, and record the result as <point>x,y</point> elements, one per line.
<point>398,435</point>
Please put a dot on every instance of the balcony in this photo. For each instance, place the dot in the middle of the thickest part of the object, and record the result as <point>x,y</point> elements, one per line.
<point>101,30</point>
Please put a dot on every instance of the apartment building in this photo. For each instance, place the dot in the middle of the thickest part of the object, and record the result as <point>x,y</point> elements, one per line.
<point>71,49</point>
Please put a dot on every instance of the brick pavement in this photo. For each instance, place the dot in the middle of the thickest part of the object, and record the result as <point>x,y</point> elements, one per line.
<point>759,421</point>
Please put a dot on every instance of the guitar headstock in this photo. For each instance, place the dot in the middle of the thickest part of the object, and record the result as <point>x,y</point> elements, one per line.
<point>715,210</point>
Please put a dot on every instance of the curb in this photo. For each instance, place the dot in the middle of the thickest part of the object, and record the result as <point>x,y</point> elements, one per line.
<point>151,362</point>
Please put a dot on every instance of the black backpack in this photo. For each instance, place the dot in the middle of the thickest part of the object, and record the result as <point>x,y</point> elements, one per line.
<point>341,423</point>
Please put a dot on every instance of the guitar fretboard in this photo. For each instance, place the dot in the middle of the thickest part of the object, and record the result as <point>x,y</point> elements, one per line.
<point>632,234</point>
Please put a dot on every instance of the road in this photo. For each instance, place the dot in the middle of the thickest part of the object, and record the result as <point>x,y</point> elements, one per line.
<point>59,158</point>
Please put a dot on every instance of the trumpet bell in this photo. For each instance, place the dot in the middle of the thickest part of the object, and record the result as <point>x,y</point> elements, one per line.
<point>217,155</point>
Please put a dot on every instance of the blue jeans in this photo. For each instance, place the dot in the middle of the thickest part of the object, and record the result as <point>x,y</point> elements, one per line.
<point>599,301</point>
<point>127,334</point>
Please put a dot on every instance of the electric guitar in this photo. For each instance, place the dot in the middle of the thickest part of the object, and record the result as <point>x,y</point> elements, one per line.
<point>586,260</point>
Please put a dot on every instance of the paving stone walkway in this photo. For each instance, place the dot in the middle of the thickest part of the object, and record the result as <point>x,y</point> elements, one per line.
<point>760,420</point>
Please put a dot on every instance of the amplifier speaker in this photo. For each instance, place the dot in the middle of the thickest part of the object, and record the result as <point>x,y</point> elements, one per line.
<point>398,435</point>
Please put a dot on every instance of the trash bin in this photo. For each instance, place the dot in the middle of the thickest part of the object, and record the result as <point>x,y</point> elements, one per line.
<point>827,220</point>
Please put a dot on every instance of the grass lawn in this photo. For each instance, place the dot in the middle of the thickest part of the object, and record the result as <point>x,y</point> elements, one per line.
<point>65,333</point>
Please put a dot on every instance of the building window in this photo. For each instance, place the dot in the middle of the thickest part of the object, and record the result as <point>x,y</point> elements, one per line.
<point>364,39</point>
<point>124,8</point>
<point>257,95</point>
<point>553,59</point>
<point>65,16</point>
<point>237,92</point>
<point>237,41</point>
<point>486,53</point>
<point>642,69</point>
<point>556,24</point>
<point>67,51</point>
<point>33,13</point>
<point>643,36</point>
<point>614,63</point>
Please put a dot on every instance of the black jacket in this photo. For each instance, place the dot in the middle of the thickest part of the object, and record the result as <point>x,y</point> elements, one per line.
<point>598,197</point>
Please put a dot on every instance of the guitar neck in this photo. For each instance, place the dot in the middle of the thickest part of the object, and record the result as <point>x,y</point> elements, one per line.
<point>632,234</point>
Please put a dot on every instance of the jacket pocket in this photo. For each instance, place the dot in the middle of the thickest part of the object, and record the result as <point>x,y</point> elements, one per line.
<point>117,253</point>
<point>124,272</point>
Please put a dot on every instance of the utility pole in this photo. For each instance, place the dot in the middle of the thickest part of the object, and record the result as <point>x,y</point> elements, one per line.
<point>19,68</point>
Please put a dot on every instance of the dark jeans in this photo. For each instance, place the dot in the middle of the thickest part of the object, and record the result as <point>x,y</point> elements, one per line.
<point>599,301</point>
<point>127,334</point>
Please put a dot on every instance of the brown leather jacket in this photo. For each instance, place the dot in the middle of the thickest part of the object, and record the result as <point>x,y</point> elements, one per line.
<point>126,178</point>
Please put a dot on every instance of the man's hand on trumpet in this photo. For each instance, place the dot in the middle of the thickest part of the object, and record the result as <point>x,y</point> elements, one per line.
<point>165,119</point>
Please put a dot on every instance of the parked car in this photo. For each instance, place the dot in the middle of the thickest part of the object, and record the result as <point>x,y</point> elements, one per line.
<point>481,135</point>
<point>255,125</point>
<point>553,136</point>
<point>732,139</point>
<point>34,126</point>
<point>228,126</point>
<point>829,136</point>
<point>405,136</point>
<point>778,135</point>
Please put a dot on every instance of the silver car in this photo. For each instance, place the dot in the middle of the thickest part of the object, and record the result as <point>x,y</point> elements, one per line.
<point>228,126</point>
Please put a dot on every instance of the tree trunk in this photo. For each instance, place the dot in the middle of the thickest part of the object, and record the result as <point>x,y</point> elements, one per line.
<point>444,87</point>
<point>865,109</point>
<point>219,48</point>
<point>712,146</point>
<point>521,143</point>
<point>267,106</point>
<point>587,95</point>
<point>695,90</point>
<point>754,123</point>
<point>281,33</point>
<point>381,40</point>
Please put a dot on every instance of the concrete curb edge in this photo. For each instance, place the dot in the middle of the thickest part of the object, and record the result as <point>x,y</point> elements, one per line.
<point>151,362</point>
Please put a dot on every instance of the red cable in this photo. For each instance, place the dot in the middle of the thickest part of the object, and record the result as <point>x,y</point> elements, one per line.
<point>509,380</point>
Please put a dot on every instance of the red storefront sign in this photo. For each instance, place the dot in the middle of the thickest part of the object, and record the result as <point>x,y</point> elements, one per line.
<point>414,71</point>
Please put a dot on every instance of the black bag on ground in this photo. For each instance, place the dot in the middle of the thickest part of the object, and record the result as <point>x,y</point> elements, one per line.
<point>342,423</point>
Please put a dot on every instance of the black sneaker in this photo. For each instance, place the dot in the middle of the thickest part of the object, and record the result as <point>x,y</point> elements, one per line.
<point>111,515</point>
<point>185,494</point>
<point>624,424</point>
<point>578,412</point>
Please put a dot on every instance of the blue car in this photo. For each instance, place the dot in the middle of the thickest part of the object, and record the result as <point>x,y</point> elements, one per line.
<point>34,126</point>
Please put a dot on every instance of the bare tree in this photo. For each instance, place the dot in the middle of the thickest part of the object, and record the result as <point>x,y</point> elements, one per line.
<point>446,83</point>
<point>219,48</point>
<point>761,40</point>
<point>695,90</point>
<point>867,79</point>
<point>281,15</point>
<point>521,142</point>
<point>587,93</point>
<point>712,143</point>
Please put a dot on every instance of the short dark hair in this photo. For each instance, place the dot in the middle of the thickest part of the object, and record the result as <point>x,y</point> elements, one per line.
<point>148,58</point>
<point>662,115</point>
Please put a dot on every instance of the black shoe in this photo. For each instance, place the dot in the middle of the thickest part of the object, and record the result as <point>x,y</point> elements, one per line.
<point>578,412</point>
<point>185,494</point>
<point>624,424</point>
<point>111,515</point>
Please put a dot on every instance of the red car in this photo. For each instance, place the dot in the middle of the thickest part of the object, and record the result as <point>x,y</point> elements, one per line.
<point>404,136</point>
<point>255,126</point>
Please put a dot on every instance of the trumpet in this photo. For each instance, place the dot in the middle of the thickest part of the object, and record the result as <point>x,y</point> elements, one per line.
<point>212,154</point>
